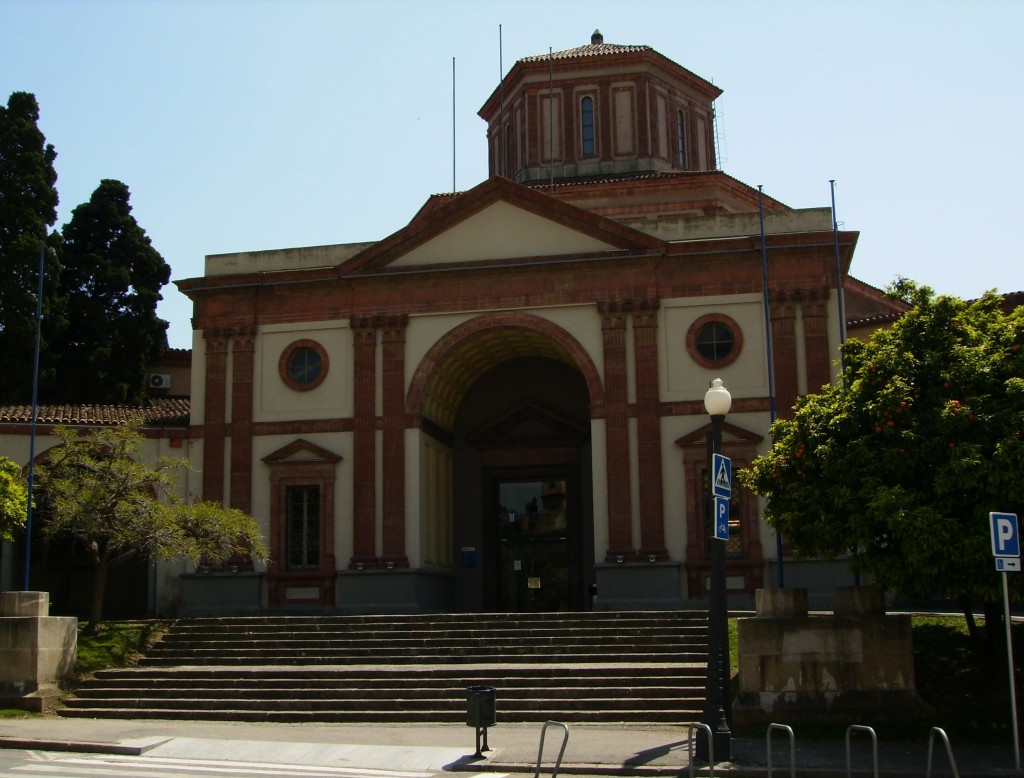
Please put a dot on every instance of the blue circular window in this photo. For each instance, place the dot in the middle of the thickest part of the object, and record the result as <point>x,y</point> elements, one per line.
<point>303,365</point>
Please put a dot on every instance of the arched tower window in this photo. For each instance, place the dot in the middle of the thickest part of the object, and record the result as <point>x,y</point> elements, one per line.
<point>587,126</point>
<point>681,137</point>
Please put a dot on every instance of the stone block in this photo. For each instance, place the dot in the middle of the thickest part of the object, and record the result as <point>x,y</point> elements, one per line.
<point>853,601</point>
<point>826,669</point>
<point>37,652</point>
<point>781,603</point>
<point>34,604</point>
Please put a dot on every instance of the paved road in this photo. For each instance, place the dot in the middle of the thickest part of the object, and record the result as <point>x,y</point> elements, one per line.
<point>77,748</point>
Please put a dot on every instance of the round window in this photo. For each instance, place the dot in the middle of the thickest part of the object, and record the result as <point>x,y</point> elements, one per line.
<point>714,340</point>
<point>303,365</point>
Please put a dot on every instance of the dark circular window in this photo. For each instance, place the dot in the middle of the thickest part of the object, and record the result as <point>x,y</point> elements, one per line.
<point>303,365</point>
<point>714,340</point>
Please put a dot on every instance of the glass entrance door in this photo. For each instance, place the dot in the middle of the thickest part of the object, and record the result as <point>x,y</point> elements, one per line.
<point>533,545</point>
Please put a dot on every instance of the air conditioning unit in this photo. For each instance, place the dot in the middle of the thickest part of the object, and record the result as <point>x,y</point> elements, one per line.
<point>159,381</point>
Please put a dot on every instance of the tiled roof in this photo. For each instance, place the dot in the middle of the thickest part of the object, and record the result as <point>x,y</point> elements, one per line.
<point>160,412</point>
<point>590,50</point>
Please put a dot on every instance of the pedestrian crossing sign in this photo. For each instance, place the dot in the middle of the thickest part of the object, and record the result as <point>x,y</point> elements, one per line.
<point>721,476</point>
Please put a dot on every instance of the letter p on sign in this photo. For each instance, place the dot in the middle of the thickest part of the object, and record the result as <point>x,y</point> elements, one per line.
<point>1005,535</point>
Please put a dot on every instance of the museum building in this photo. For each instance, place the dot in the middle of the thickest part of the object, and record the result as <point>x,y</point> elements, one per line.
<point>500,406</point>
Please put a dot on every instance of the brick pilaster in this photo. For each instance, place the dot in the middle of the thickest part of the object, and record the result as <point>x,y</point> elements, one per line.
<point>393,379</point>
<point>364,443</point>
<point>645,350</point>
<point>214,414</point>
<point>613,330</point>
<point>242,347</point>
<point>783,311</point>
<point>816,351</point>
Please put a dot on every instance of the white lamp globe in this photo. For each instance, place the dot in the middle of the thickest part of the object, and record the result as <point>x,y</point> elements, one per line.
<point>717,400</point>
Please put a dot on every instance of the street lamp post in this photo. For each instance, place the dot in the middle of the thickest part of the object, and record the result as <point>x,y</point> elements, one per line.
<point>717,402</point>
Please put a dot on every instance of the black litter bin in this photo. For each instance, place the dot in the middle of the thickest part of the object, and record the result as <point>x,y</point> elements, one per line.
<point>481,706</point>
<point>481,713</point>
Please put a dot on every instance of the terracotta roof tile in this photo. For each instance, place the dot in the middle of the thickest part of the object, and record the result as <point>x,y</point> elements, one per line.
<point>590,50</point>
<point>160,412</point>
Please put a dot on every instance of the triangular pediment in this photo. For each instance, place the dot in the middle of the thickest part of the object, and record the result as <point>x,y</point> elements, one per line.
<point>499,221</point>
<point>529,423</point>
<point>301,451</point>
<point>730,434</point>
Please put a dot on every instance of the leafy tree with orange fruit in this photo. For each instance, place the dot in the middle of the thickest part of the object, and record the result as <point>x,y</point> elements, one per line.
<point>899,463</point>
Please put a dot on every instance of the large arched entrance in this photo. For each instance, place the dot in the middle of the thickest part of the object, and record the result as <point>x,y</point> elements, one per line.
<point>512,405</point>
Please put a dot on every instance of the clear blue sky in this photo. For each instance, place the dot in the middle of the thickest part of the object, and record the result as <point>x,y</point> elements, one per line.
<point>243,125</point>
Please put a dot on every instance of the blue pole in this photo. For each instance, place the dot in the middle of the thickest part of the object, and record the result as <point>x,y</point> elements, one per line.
<point>770,355</point>
<point>35,416</point>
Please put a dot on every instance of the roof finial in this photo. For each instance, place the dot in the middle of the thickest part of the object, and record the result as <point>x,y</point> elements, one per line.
<point>597,38</point>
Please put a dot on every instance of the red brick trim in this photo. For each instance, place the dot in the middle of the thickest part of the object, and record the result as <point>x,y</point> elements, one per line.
<point>364,444</point>
<point>286,472</point>
<point>420,383</point>
<point>393,330</point>
<point>214,423</point>
<point>242,370</point>
<point>617,452</point>
<point>649,485</point>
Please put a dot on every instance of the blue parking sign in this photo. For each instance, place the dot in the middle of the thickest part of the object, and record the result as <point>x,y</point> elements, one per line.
<point>721,518</point>
<point>1005,534</point>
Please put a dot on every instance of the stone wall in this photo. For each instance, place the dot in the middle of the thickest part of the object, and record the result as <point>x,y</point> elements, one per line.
<point>37,651</point>
<point>855,666</point>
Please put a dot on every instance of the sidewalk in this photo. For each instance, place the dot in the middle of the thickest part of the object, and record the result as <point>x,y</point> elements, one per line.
<point>591,749</point>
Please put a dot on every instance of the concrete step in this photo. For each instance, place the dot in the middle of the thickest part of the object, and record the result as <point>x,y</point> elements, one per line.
<point>574,667</point>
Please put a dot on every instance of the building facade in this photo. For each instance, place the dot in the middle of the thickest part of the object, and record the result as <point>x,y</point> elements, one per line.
<point>500,406</point>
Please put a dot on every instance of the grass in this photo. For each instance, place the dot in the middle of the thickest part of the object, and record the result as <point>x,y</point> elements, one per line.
<point>964,681</point>
<point>14,713</point>
<point>119,644</point>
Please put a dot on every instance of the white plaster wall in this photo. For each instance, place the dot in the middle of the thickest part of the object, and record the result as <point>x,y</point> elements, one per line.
<point>501,231</point>
<point>276,401</point>
<point>684,379</point>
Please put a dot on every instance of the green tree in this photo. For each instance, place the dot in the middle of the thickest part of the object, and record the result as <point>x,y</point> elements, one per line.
<point>98,491</point>
<point>900,463</point>
<point>28,207</point>
<point>111,276</point>
<point>13,498</point>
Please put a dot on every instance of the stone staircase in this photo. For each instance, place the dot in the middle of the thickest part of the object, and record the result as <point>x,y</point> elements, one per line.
<point>639,667</point>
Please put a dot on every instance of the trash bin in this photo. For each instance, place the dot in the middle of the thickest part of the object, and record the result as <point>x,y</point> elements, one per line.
<point>481,707</point>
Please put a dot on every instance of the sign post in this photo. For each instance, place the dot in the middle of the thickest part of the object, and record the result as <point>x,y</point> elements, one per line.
<point>1006,550</point>
<point>721,489</point>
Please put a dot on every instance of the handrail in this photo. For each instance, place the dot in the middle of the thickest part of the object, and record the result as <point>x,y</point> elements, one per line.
<point>949,751</point>
<point>874,747</point>
<point>561,752</point>
<point>792,747</point>
<point>711,745</point>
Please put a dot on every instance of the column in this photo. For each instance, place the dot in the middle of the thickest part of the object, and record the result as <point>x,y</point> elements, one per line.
<point>783,310</point>
<point>645,352</point>
<point>364,444</point>
<point>242,349</point>
<point>616,419</point>
<point>393,380</point>
<point>816,350</point>
<point>214,414</point>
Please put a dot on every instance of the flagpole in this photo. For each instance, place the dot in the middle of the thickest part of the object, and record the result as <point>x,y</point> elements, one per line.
<point>770,355</point>
<point>35,416</point>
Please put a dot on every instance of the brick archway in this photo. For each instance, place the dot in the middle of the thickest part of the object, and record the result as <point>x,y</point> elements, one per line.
<point>464,353</point>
